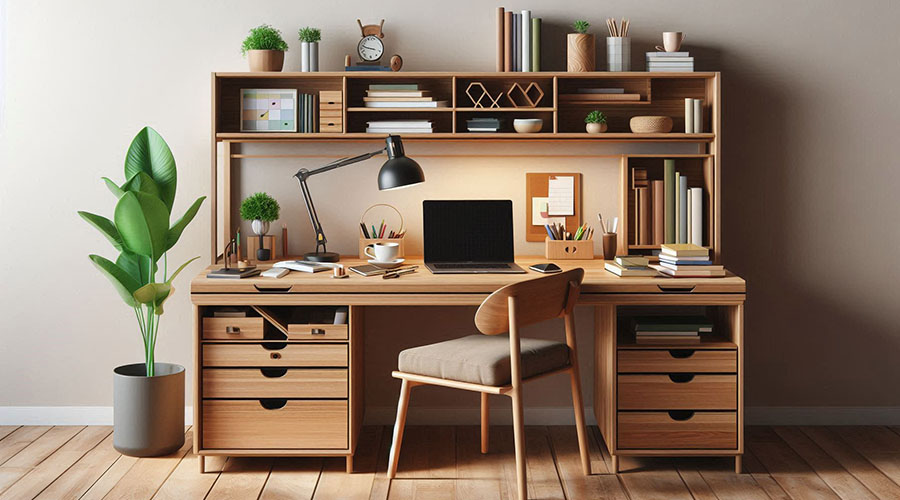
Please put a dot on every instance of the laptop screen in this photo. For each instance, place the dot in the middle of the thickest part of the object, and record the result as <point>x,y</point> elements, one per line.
<point>468,230</point>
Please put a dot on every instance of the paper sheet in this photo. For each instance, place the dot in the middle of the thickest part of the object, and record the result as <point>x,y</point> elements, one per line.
<point>539,214</point>
<point>562,195</point>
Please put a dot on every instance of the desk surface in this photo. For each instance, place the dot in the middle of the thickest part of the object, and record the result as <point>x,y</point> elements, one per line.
<point>596,281</point>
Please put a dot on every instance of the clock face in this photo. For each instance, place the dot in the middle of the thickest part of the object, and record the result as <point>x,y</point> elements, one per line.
<point>370,48</point>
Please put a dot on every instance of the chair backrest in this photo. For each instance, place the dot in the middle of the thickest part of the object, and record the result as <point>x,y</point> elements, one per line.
<point>537,300</point>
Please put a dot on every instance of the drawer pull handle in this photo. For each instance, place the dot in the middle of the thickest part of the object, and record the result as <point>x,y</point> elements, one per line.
<point>317,331</point>
<point>273,372</point>
<point>267,289</point>
<point>272,404</point>
<point>675,289</point>
<point>681,353</point>
<point>275,355</point>
<point>232,329</point>
<point>681,415</point>
<point>681,378</point>
<point>274,346</point>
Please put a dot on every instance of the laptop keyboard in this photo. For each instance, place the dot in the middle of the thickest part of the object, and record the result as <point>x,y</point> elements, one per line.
<point>481,265</point>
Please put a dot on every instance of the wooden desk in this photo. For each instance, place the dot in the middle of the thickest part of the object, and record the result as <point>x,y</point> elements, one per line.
<point>266,361</point>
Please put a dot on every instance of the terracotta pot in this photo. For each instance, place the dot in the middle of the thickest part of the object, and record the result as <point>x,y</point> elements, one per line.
<point>595,128</point>
<point>266,60</point>
<point>581,53</point>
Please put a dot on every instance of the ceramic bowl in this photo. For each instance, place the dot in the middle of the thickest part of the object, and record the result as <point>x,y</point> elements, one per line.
<point>651,124</point>
<point>528,125</point>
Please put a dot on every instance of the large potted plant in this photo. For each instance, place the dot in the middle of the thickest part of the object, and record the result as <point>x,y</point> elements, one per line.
<point>148,397</point>
<point>264,48</point>
<point>260,209</point>
<point>580,48</point>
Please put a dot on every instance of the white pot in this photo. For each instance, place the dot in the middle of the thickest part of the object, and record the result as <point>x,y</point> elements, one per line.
<point>595,128</point>
<point>260,227</point>
<point>314,56</point>
<point>304,56</point>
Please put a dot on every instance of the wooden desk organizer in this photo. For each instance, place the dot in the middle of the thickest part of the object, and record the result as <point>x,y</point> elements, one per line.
<point>568,249</point>
<point>364,242</point>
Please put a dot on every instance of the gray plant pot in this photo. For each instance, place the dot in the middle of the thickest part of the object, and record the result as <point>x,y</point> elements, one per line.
<point>148,412</point>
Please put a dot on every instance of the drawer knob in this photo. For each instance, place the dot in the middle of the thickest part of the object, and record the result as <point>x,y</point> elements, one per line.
<point>232,329</point>
<point>317,331</point>
<point>681,415</point>
<point>276,355</point>
<point>681,353</point>
<point>272,404</point>
<point>681,378</point>
<point>273,372</point>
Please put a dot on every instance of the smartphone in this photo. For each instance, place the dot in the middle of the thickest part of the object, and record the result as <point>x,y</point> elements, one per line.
<point>548,268</point>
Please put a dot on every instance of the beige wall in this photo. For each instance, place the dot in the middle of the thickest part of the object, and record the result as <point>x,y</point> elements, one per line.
<point>809,176</point>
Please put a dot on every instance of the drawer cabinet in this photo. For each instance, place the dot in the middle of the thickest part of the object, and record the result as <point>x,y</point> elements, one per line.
<point>677,361</point>
<point>677,430</point>
<point>275,383</point>
<point>275,354</point>
<point>275,424</point>
<point>233,328</point>
<point>677,392</point>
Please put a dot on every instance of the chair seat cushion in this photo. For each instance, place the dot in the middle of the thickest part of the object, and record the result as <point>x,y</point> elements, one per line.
<point>482,359</point>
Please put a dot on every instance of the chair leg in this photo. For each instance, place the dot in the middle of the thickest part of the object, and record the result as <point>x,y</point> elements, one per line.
<point>579,421</point>
<point>485,422</point>
<point>519,434</point>
<point>398,428</point>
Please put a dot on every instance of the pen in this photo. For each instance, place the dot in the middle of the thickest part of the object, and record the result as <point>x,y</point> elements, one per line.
<point>365,232</point>
<point>398,273</point>
<point>374,232</point>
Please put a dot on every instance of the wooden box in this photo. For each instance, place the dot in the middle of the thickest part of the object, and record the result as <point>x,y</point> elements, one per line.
<point>568,249</point>
<point>364,242</point>
<point>331,111</point>
<point>253,245</point>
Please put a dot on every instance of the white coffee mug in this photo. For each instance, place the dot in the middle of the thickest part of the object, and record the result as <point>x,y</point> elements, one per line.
<point>383,252</point>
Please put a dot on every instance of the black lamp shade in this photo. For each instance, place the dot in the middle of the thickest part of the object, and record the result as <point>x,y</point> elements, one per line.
<point>399,170</point>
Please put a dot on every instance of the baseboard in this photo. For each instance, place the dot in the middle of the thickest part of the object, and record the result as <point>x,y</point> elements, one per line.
<point>757,415</point>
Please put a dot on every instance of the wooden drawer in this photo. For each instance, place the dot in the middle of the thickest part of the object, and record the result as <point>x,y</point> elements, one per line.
<point>259,383</point>
<point>677,392</point>
<point>317,332</point>
<point>330,97</point>
<point>677,360</point>
<point>677,430</point>
<point>233,328</point>
<point>279,354</point>
<point>281,424</point>
<point>331,126</point>
<point>331,114</point>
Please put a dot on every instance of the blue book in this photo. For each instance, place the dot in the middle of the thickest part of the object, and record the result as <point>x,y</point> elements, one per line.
<point>665,260</point>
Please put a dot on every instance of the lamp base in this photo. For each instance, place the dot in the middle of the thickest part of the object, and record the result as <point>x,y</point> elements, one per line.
<point>322,256</point>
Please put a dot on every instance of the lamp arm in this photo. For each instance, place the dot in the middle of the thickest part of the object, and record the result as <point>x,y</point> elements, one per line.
<point>343,162</point>
<point>321,240</point>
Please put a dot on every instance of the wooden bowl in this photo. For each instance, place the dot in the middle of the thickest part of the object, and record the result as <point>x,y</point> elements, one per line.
<point>528,125</point>
<point>651,124</point>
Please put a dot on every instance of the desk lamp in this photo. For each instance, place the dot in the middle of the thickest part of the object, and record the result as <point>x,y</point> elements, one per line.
<point>398,171</point>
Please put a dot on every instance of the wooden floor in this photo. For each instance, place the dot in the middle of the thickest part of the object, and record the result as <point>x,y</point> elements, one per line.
<point>445,463</point>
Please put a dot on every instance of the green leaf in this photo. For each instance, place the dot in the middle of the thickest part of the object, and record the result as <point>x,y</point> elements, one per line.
<point>121,280</point>
<point>105,226</point>
<point>113,187</point>
<point>154,293</point>
<point>136,266</point>
<point>150,154</point>
<point>180,268</point>
<point>143,183</point>
<point>143,223</point>
<point>177,228</point>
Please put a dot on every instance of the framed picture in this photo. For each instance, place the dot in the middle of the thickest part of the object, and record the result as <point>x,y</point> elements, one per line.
<point>268,110</point>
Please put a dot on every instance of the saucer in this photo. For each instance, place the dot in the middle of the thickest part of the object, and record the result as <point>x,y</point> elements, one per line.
<point>387,265</point>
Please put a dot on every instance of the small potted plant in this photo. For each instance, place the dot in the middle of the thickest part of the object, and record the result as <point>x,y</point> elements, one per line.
<point>581,50</point>
<point>595,122</point>
<point>309,48</point>
<point>260,209</point>
<point>264,47</point>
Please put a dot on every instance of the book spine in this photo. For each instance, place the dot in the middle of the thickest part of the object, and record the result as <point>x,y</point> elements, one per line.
<point>688,220</point>
<point>517,42</point>
<point>301,104</point>
<point>697,216</point>
<point>645,216</point>
<point>688,115</point>
<point>536,44</point>
<point>500,37</point>
<point>682,209</point>
<point>637,217</point>
<point>678,208</point>
<point>669,198</point>
<point>526,40</point>
<point>507,41</point>
<point>657,189</point>
<point>698,116</point>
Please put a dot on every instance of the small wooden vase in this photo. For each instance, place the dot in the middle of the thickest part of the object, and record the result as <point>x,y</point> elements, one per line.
<point>581,53</point>
<point>265,60</point>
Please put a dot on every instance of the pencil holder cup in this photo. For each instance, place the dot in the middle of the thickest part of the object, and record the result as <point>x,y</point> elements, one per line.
<point>364,241</point>
<point>568,249</point>
<point>618,53</point>
<point>609,246</point>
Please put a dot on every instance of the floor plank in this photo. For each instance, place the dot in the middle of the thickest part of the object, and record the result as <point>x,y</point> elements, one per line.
<point>424,489</point>
<point>482,475</point>
<point>17,440</point>
<point>43,446</point>
<point>853,462</point>
<point>696,484</point>
<point>242,477</point>
<point>110,478</point>
<point>292,478</point>
<point>56,463</point>
<point>146,475</point>
<point>879,445</point>
<point>78,478</point>
<point>186,481</point>
<point>657,484</point>
<point>759,474</point>
<point>428,452</point>
<point>381,485</point>
<point>336,483</point>
<point>718,475</point>
<point>568,460</point>
<point>791,472</point>
<point>6,430</point>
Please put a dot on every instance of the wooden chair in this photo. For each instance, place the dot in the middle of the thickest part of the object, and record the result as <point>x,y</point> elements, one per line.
<point>490,365</point>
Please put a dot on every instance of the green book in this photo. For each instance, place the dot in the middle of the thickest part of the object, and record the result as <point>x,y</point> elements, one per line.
<point>394,86</point>
<point>678,203</point>
<point>669,185</point>
<point>535,44</point>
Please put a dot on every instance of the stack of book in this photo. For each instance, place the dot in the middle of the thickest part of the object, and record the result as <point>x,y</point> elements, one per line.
<point>483,125</point>
<point>399,127</point>
<point>307,105</point>
<point>630,265</point>
<point>687,261</point>
<point>670,61</point>
<point>666,211</point>
<point>518,41</point>
<point>400,95</point>
<point>598,95</point>
<point>670,329</point>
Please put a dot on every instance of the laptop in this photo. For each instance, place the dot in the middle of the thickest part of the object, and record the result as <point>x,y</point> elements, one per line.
<point>469,237</point>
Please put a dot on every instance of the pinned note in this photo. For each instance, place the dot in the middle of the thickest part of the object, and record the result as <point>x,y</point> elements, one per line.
<point>540,212</point>
<point>561,194</point>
